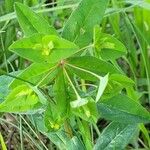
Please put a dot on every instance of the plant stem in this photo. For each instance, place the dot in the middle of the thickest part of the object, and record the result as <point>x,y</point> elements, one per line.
<point>68,129</point>
<point>73,87</point>
<point>84,70</point>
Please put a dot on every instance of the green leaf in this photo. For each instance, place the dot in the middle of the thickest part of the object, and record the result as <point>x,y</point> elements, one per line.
<point>122,109</point>
<point>20,99</point>
<point>58,138</point>
<point>112,89</point>
<point>44,48</point>
<point>31,22</point>
<point>60,94</point>
<point>40,94</point>
<point>56,113</point>
<point>75,144</point>
<point>102,86</point>
<point>52,119</point>
<point>108,47</point>
<point>115,136</point>
<point>4,84</point>
<point>31,74</point>
<point>79,27</point>
<point>87,112</point>
<point>3,145</point>
<point>132,93</point>
<point>122,79</point>
<point>91,64</point>
<point>79,102</point>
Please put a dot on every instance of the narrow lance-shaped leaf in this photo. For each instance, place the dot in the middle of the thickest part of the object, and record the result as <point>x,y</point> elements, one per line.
<point>79,28</point>
<point>31,22</point>
<point>115,136</point>
<point>41,48</point>
<point>122,109</point>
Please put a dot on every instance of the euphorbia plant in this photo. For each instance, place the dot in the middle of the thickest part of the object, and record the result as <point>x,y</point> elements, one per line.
<point>74,80</point>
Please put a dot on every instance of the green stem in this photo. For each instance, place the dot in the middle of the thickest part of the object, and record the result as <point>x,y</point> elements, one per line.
<point>34,132</point>
<point>21,135</point>
<point>84,70</point>
<point>85,132</point>
<point>73,87</point>
<point>96,129</point>
<point>50,71</point>
<point>142,53</point>
<point>68,129</point>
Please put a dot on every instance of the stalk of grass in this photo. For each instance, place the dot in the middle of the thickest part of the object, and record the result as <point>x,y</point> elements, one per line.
<point>26,133</point>
<point>2,142</point>
<point>34,132</point>
<point>21,134</point>
<point>137,32</point>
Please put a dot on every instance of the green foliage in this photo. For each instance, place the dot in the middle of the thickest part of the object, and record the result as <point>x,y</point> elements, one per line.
<point>91,64</point>
<point>32,23</point>
<point>32,74</point>
<point>42,48</point>
<point>74,79</point>
<point>2,142</point>
<point>21,99</point>
<point>115,136</point>
<point>4,90</point>
<point>120,108</point>
<point>108,47</point>
<point>79,27</point>
<point>75,144</point>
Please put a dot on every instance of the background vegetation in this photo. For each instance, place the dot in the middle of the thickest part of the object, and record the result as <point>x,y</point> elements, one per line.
<point>127,21</point>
